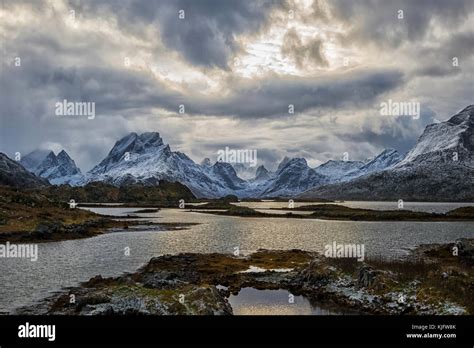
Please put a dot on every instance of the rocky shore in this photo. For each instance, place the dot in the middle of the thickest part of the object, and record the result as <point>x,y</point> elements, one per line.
<point>432,280</point>
<point>57,231</point>
<point>31,216</point>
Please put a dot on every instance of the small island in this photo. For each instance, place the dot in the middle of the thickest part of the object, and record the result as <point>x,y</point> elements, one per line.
<point>340,212</point>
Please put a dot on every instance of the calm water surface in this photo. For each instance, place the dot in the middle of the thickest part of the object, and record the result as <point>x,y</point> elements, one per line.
<point>250,301</point>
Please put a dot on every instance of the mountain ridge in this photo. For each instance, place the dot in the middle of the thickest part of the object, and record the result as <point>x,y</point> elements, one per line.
<point>438,168</point>
<point>146,159</point>
<point>14,174</point>
<point>58,169</point>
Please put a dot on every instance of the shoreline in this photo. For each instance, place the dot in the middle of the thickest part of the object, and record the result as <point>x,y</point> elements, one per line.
<point>430,281</point>
<point>89,224</point>
<point>57,232</point>
<point>342,213</point>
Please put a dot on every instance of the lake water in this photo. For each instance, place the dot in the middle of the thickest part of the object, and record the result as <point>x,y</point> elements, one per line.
<point>251,301</point>
<point>63,264</point>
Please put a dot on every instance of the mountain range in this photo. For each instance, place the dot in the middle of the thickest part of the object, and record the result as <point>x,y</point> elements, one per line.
<point>145,158</point>
<point>439,167</point>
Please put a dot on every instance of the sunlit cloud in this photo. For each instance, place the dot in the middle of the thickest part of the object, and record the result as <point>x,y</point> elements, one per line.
<point>235,67</point>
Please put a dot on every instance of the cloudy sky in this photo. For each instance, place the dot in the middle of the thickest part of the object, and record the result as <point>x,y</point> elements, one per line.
<point>235,66</point>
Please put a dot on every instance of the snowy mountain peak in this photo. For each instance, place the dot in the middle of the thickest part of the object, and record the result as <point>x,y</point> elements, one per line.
<point>63,157</point>
<point>206,162</point>
<point>386,159</point>
<point>138,143</point>
<point>299,161</point>
<point>341,165</point>
<point>226,173</point>
<point>60,169</point>
<point>244,170</point>
<point>262,174</point>
<point>293,176</point>
<point>450,142</point>
<point>338,169</point>
<point>151,139</point>
<point>282,163</point>
<point>51,156</point>
<point>34,159</point>
<point>387,152</point>
<point>465,115</point>
<point>293,162</point>
<point>67,164</point>
<point>146,158</point>
<point>440,167</point>
<point>130,147</point>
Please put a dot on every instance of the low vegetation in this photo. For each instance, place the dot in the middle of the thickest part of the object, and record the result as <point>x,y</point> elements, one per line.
<point>166,193</point>
<point>24,211</point>
<point>431,281</point>
<point>36,215</point>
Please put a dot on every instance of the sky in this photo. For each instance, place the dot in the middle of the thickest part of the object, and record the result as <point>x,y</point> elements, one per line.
<point>283,77</point>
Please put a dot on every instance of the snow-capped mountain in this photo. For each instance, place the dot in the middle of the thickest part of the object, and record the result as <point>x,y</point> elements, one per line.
<point>283,162</point>
<point>34,159</point>
<point>226,174</point>
<point>388,158</point>
<point>338,170</point>
<point>292,176</point>
<point>206,162</point>
<point>58,169</point>
<point>439,167</point>
<point>244,171</point>
<point>445,142</point>
<point>14,174</point>
<point>145,158</point>
<point>262,174</point>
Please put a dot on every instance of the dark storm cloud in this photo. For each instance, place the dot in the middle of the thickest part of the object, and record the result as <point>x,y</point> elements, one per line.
<point>120,90</point>
<point>376,21</point>
<point>27,105</point>
<point>206,34</point>
<point>437,70</point>
<point>438,60</point>
<point>85,65</point>
<point>269,157</point>
<point>272,96</point>
<point>400,132</point>
<point>40,80</point>
<point>116,90</point>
